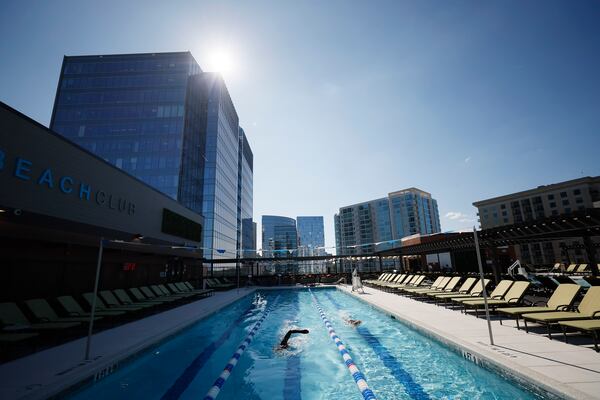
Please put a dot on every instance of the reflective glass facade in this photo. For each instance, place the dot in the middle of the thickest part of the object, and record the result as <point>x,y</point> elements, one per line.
<point>129,110</point>
<point>279,236</point>
<point>311,242</point>
<point>247,238</point>
<point>163,120</point>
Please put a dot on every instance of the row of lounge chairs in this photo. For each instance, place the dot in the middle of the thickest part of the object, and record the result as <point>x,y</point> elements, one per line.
<point>572,268</point>
<point>16,326</point>
<point>507,299</point>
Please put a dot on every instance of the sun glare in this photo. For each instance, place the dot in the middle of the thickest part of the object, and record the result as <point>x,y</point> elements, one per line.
<point>220,61</point>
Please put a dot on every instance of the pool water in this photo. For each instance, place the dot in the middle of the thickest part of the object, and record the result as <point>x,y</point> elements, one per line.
<point>397,362</point>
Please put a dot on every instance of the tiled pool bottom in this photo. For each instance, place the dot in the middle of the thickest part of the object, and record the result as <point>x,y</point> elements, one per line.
<point>398,362</point>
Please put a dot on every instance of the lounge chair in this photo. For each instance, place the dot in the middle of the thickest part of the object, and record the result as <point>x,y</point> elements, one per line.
<point>396,280</point>
<point>210,292</point>
<point>571,268</point>
<point>498,293</point>
<point>380,278</point>
<point>463,289</point>
<point>448,288</point>
<point>139,296</point>
<point>582,268</point>
<point>44,313</point>
<point>386,279</point>
<point>556,267</point>
<point>185,288</point>
<point>590,326</point>
<point>111,301</point>
<point>440,282</point>
<point>475,293</point>
<point>513,296</point>
<point>216,285</point>
<point>157,294</point>
<point>101,306</point>
<point>589,308</point>
<point>13,319</point>
<point>407,282</point>
<point>16,337</point>
<point>74,309</point>
<point>421,290</point>
<point>561,300</point>
<point>173,292</point>
<point>126,300</point>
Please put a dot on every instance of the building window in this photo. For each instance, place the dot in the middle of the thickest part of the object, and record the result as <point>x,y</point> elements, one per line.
<point>565,202</point>
<point>563,194</point>
<point>553,204</point>
<point>577,192</point>
<point>550,197</point>
<point>502,206</point>
<point>579,200</point>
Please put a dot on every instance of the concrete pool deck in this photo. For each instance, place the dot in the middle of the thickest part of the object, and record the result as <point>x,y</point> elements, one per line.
<point>563,369</point>
<point>48,372</point>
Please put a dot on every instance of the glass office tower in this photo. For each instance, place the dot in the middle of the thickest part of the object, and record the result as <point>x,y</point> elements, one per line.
<point>246,230</point>
<point>163,120</point>
<point>280,240</point>
<point>311,242</point>
<point>129,110</point>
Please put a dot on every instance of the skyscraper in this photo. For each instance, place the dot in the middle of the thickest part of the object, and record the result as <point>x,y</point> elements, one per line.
<point>280,239</point>
<point>376,225</point>
<point>163,120</point>
<point>246,229</point>
<point>311,242</point>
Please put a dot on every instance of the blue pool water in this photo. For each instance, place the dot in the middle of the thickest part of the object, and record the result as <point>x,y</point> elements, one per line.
<point>397,362</point>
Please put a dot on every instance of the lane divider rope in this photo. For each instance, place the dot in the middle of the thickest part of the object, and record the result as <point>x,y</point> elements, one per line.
<point>218,385</point>
<point>359,378</point>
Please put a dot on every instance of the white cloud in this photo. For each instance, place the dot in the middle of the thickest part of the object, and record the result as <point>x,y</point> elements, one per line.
<point>455,215</point>
<point>467,159</point>
<point>459,216</point>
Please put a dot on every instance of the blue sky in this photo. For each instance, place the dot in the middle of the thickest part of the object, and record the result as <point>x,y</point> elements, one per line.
<point>346,101</point>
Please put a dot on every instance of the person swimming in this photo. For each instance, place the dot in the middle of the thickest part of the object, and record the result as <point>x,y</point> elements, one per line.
<point>284,342</point>
<point>353,322</point>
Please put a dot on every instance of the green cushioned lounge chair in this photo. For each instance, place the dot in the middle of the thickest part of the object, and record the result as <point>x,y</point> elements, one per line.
<point>13,319</point>
<point>139,296</point>
<point>191,287</point>
<point>582,268</point>
<point>111,301</point>
<point>402,279</point>
<point>498,292</point>
<point>589,308</point>
<point>184,287</point>
<point>124,298</point>
<point>448,288</point>
<point>101,306</point>
<point>396,280</point>
<point>463,289</point>
<point>514,296</point>
<point>74,309</point>
<point>561,300</point>
<point>590,326</point>
<point>414,282</point>
<point>440,282</point>
<point>44,313</point>
<point>571,267</point>
<point>474,292</point>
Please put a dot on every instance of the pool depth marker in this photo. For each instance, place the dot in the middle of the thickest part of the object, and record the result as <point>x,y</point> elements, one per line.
<point>359,378</point>
<point>218,385</point>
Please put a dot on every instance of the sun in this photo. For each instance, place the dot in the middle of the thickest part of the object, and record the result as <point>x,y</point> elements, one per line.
<point>220,61</point>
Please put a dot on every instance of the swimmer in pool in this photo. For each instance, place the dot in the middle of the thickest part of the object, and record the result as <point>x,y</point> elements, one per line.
<point>353,322</point>
<point>284,342</point>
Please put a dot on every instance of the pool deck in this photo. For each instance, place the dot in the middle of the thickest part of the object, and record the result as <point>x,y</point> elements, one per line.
<point>51,371</point>
<point>566,370</point>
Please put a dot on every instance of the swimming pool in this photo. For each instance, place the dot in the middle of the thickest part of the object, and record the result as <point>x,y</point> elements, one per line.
<point>396,361</point>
